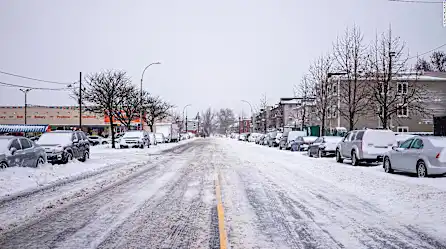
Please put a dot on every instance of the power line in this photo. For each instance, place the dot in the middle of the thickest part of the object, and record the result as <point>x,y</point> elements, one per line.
<point>416,1</point>
<point>430,51</point>
<point>33,88</point>
<point>30,78</point>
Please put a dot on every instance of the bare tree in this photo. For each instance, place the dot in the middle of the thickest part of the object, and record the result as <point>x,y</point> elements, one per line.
<point>155,109</point>
<point>350,55</point>
<point>130,107</point>
<point>318,77</point>
<point>104,94</point>
<point>390,94</point>
<point>305,91</point>
<point>264,106</point>
<point>438,60</point>
<point>208,121</point>
<point>423,65</point>
<point>225,118</point>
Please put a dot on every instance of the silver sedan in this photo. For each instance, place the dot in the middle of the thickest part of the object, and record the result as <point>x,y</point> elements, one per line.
<point>421,155</point>
<point>20,151</point>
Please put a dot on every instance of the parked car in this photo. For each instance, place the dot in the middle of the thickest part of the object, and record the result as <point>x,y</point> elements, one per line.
<point>423,155</point>
<point>20,151</point>
<point>132,139</point>
<point>272,139</point>
<point>324,146</point>
<point>265,140</point>
<point>160,137</point>
<point>277,140</point>
<point>301,143</point>
<point>152,138</point>
<point>259,139</point>
<point>96,140</point>
<point>253,137</point>
<point>365,145</point>
<point>242,137</point>
<point>63,146</point>
<point>288,138</point>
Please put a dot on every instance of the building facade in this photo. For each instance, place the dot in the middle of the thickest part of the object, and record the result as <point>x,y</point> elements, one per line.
<point>405,120</point>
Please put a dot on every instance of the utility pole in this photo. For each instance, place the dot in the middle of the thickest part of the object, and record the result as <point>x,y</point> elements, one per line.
<point>25,91</point>
<point>80,101</point>
<point>239,121</point>
<point>186,122</point>
<point>198,129</point>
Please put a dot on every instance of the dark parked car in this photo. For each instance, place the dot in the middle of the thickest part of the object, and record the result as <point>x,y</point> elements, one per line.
<point>324,146</point>
<point>63,146</point>
<point>20,151</point>
<point>302,143</point>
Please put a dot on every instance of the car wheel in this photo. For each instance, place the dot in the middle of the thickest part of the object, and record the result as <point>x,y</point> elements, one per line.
<point>104,142</point>
<point>338,156</point>
<point>355,161</point>
<point>40,162</point>
<point>387,165</point>
<point>85,156</point>
<point>68,157</point>
<point>421,169</point>
<point>309,152</point>
<point>3,165</point>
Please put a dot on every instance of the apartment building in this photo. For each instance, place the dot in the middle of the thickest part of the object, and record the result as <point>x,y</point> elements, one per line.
<point>405,120</point>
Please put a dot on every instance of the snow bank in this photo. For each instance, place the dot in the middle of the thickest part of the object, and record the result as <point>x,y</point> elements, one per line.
<point>17,180</point>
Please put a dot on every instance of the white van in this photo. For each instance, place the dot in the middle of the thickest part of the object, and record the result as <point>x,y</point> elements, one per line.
<point>365,145</point>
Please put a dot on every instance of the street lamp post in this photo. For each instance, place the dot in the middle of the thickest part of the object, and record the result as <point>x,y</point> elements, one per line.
<point>186,115</point>
<point>337,96</point>
<point>252,113</point>
<point>25,91</point>
<point>140,95</point>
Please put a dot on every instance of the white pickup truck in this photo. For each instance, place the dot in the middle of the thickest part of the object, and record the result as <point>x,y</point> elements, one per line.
<point>169,130</point>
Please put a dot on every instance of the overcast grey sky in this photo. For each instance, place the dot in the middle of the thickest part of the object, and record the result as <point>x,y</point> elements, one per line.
<point>213,53</point>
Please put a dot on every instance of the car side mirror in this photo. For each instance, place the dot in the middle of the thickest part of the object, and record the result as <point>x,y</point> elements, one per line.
<point>13,150</point>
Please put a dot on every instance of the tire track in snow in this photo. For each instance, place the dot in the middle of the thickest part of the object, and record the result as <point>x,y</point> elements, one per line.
<point>317,213</point>
<point>178,216</point>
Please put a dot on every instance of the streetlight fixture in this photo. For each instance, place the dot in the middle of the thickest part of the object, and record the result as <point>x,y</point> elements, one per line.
<point>140,96</point>
<point>337,94</point>
<point>252,114</point>
<point>186,115</point>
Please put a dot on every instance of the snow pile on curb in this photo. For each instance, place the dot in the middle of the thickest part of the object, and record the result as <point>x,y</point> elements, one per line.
<point>16,180</point>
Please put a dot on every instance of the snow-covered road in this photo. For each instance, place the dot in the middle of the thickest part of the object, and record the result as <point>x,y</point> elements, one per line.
<point>271,199</point>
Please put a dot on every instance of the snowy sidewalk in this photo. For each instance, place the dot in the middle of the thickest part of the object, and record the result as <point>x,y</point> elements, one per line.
<point>16,180</point>
<point>285,199</point>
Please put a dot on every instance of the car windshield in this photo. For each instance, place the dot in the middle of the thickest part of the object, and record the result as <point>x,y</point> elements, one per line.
<point>93,137</point>
<point>55,138</point>
<point>133,134</point>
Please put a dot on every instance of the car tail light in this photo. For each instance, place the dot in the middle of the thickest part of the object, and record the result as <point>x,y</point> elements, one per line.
<point>438,155</point>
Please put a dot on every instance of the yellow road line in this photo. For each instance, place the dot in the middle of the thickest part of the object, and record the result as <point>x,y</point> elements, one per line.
<point>221,214</point>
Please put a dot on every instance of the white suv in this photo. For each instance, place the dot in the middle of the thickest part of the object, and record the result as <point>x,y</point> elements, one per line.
<point>365,145</point>
<point>137,139</point>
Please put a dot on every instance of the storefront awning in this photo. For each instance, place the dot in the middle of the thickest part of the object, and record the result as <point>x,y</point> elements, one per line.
<point>23,128</point>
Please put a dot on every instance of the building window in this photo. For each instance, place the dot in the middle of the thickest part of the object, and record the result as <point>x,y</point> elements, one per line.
<point>402,111</point>
<point>335,112</point>
<point>402,87</point>
<point>334,89</point>
<point>381,112</point>
<point>403,129</point>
